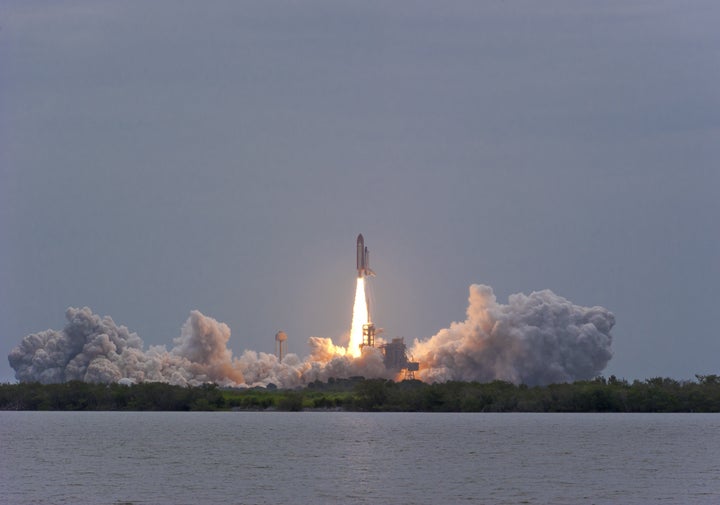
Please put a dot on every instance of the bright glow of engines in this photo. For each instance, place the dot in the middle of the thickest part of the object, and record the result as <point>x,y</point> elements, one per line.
<point>360,317</point>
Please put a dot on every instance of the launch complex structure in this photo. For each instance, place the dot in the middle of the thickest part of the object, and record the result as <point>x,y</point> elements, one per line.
<point>394,352</point>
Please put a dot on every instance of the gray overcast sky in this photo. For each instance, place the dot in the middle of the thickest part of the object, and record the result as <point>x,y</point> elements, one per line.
<point>157,157</point>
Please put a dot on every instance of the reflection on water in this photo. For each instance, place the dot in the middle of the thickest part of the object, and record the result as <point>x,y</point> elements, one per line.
<point>355,458</point>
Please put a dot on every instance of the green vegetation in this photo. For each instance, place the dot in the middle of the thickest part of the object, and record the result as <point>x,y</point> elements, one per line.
<point>380,395</point>
<point>86,396</point>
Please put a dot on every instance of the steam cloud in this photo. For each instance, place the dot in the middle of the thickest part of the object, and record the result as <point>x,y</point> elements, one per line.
<point>537,339</point>
<point>95,349</point>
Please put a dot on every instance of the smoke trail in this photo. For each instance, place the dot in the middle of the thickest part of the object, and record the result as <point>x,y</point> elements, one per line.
<point>359,318</point>
<point>537,339</point>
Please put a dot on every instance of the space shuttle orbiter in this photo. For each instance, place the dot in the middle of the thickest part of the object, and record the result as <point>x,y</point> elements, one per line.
<point>363,259</point>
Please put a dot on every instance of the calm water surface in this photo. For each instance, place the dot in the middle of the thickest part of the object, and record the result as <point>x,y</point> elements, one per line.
<point>357,458</point>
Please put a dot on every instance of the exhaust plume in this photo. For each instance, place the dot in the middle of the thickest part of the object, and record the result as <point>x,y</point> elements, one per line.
<point>535,339</point>
<point>95,349</point>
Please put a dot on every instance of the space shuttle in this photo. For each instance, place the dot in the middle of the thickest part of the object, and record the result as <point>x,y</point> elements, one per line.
<point>363,259</point>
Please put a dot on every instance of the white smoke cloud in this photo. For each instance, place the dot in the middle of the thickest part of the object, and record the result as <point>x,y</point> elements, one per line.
<point>539,338</point>
<point>95,349</point>
<point>90,348</point>
<point>326,360</point>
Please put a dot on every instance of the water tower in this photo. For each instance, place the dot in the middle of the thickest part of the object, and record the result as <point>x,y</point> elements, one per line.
<point>280,345</point>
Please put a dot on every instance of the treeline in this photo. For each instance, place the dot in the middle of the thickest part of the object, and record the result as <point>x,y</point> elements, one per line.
<point>598,395</point>
<point>379,395</point>
<point>78,395</point>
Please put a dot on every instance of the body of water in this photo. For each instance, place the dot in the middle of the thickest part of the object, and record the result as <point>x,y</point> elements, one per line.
<point>199,458</point>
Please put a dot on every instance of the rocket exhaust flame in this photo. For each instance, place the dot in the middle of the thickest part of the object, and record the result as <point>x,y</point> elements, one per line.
<point>360,317</point>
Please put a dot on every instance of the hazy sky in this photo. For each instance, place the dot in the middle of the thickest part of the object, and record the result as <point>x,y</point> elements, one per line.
<point>158,157</point>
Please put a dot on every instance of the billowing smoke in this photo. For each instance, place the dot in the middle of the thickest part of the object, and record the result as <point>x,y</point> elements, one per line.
<point>537,339</point>
<point>95,349</point>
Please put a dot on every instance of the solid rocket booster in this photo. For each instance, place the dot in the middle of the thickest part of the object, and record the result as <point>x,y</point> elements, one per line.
<point>363,258</point>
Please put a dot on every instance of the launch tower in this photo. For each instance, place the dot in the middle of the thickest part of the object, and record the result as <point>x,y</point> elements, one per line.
<point>368,335</point>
